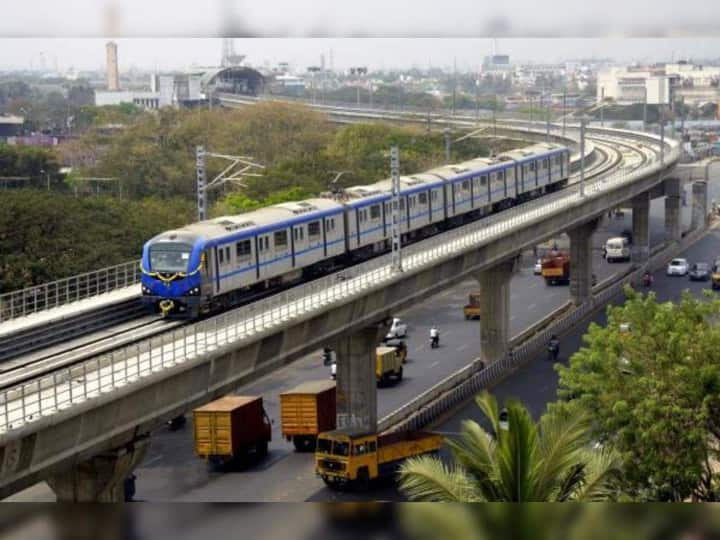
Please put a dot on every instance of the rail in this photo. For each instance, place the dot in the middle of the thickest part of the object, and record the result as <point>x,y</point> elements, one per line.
<point>28,401</point>
<point>65,291</point>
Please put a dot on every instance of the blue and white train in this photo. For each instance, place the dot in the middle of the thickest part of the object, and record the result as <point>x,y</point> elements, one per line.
<point>218,263</point>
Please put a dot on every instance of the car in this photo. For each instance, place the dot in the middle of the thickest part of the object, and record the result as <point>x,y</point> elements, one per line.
<point>398,329</point>
<point>677,267</point>
<point>537,269</point>
<point>699,272</point>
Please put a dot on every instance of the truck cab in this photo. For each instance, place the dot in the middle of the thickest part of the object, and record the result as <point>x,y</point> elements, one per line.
<point>472,308</point>
<point>354,457</point>
<point>556,268</point>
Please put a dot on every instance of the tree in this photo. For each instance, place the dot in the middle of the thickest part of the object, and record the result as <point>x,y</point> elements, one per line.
<point>651,380</point>
<point>546,461</point>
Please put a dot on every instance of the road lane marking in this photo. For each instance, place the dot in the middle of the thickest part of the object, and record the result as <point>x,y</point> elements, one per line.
<point>462,347</point>
<point>434,364</point>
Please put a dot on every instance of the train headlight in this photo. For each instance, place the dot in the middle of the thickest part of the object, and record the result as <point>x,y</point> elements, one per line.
<point>195,291</point>
<point>146,290</point>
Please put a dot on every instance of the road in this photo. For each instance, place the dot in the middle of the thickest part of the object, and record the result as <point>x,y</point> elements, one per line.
<point>171,471</point>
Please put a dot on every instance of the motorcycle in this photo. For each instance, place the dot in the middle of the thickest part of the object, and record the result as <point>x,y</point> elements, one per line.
<point>434,342</point>
<point>647,280</point>
<point>553,351</point>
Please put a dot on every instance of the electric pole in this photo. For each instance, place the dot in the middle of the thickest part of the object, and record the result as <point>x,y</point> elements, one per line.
<point>396,236</point>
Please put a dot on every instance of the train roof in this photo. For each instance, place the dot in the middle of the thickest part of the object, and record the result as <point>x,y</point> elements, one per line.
<point>270,215</point>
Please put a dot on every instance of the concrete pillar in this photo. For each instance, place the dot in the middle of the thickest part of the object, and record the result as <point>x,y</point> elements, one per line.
<point>581,268</point>
<point>355,375</point>
<point>495,310</point>
<point>100,478</point>
<point>640,249</point>
<point>673,217</point>
<point>699,205</point>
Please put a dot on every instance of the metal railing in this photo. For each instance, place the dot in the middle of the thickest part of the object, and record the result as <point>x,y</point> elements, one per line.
<point>64,291</point>
<point>26,402</point>
<point>467,382</point>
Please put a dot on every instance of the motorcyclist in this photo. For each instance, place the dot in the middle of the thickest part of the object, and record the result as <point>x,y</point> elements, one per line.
<point>553,348</point>
<point>434,337</point>
<point>647,279</point>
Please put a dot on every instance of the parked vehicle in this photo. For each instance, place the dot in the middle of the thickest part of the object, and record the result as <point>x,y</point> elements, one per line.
<point>398,329</point>
<point>617,249</point>
<point>388,364</point>
<point>231,428</point>
<point>699,272</point>
<point>307,410</point>
<point>556,268</point>
<point>472,308</point>
<point>537,269</point>
<point>715,277</point>
<point>353,458</point>
<point>677,267</point>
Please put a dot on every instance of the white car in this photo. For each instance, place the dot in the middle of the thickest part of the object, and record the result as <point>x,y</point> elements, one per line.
<point>537,269</point>
<point>398,329</point>
<point>677,267</point>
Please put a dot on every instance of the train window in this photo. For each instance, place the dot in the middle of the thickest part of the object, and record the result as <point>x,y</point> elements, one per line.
<point>501,175</point>
<point>558,160</point>
<point>433,195</point>
<point>402,203</point>
<point>314,228</point>
<point>371,446</point>
<point>545,163</point>
<point>267,242</point>
<point>422,198</point>
<point>221,255</point>
<point>466,185</point>
<point>483,180</point>
<point>280,238</point>
<point>532,165</point>
<point>242,249</point>
<point>375,211</point>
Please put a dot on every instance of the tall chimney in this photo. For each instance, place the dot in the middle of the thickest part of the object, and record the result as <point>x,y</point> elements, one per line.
<point>113,79</point>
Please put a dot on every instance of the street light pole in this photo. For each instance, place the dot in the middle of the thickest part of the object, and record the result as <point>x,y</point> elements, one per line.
<point>582,156</point>
<point>446,133</point>
<point>201,182</point>
<point>396,236</point>
<point>564,111</point>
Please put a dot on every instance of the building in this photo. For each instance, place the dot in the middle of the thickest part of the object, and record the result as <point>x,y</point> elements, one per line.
<point>189,89</point>
<point>10,126</point>
<point>113,77</point>
<point>497,65</point>
<point>695,85</point>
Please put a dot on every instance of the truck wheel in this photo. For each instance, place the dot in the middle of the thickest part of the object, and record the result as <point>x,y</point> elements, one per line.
<point>400,374</point>
<point>467,317</point>
<point>362,482</point>
<point>304,443</point>
<point>261,448</point>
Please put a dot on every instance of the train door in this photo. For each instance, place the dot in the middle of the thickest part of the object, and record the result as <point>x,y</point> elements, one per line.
<point>264,255</point>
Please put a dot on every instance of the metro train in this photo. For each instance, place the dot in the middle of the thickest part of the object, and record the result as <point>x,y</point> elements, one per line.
<point>215,264</point>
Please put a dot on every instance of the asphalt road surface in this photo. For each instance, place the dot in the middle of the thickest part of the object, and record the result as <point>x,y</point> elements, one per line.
<point>171,471</point>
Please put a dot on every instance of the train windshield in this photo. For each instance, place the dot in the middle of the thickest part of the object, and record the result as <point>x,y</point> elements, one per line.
<point>170,257</point>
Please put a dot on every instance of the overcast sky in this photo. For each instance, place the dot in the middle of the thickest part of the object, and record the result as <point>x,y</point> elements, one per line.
<point>178,53</point>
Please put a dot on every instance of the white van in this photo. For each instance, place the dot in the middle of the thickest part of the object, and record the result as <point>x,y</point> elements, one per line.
<point>617,249</point>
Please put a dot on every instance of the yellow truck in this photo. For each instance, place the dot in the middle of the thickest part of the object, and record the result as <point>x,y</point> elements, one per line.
<point>715,276</point>
<point>389,364</point>
<point>472,308</point>
<point>231,428</point>
<point>305,411</point>
<point>353,458</point>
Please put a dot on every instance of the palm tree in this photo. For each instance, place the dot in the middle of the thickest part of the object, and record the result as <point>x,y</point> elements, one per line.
<point>551,460</point>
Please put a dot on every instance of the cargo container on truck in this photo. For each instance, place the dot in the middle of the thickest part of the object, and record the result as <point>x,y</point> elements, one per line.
<point>388,364</point>
<point>556,268</point>
<point>307,410</point>
<point>231,428</point>
<point>352,457</point>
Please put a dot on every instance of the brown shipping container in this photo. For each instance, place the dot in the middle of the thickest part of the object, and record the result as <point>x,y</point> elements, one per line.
<point>229,426</point>
<point>308,409</point>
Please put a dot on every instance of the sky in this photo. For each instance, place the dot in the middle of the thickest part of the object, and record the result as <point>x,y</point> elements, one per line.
<point>384,53</point>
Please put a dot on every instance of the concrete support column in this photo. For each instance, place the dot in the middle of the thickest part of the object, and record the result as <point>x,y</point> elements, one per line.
<point>640,249</point>
<point>673,205</point>
<point>581,261</point>
<point>495,310</point>
<point>100,478</point>
<point>355,375</point>
<point>699,205</point>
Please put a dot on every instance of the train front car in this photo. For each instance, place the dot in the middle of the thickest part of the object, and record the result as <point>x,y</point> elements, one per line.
<point>173,266</point>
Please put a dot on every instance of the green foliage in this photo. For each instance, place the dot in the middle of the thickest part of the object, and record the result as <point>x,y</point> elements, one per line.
<point>27,161</point>
<point>45,236</point>
<point>654,393</point>
<point>546,461</point>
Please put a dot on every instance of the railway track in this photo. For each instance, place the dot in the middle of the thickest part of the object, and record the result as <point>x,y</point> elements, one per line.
<point>24,356</point>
